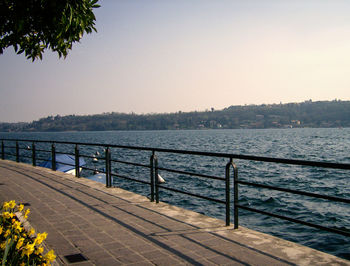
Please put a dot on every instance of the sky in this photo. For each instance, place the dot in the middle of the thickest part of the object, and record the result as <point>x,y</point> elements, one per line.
<point>164,56</point>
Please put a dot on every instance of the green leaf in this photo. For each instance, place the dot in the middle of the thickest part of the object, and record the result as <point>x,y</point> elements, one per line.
<point>7,249</point>
<point>55,23</point>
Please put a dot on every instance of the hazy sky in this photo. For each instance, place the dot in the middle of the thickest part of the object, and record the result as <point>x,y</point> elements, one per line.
<point>155,56</point>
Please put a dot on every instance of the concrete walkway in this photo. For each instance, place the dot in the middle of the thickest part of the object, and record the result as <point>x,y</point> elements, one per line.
<point>116,227</point>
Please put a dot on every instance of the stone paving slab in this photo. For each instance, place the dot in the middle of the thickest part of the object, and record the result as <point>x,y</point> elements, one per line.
<point>111,226</point>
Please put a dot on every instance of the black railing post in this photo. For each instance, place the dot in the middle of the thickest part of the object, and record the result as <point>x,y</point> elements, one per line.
<point>152,175</point>
<point>235,196</point>
<point>77,163</point>
<point>2,150</point>
<point>227,189</point>
<point>53,156</point>
<point>33,154</point>
<point>108,167</point>
<point>17,152</point>
<point>156,178</point>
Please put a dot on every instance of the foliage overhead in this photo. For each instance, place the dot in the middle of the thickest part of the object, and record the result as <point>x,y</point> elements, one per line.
<point>31,26</point>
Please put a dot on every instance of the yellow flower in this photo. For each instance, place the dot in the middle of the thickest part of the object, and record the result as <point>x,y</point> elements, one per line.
<point>26,213</point>
<point>3,245</point>
<point>6,205</point>
<point>28,249</point>
<point>1,230</point>
<point>12,204</point>
<point>8,231</point>
<point>20,243</point>
<point>22,264</point>
<point>17,226</point>
<point>20,207</point>
<point>39,250</point>
<point>40,238</point>
<point>50,256</point>
<point>31,231</point>
<point>7,215</point>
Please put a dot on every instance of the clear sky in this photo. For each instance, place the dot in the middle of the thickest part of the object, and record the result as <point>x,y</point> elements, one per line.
<point>156,56</point>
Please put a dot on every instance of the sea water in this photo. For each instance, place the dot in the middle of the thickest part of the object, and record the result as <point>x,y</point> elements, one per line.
<point>331,145</point>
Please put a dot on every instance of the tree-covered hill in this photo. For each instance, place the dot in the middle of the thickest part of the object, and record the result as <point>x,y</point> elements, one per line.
<point>306,114</point>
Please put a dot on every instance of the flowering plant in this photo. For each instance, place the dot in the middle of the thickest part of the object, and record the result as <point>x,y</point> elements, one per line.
<point>18,246</point>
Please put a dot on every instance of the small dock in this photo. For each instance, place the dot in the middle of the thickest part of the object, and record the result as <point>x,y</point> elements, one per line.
<point>89,224</point>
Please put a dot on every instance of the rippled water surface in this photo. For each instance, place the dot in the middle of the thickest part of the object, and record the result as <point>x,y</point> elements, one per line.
<point>331,145</point>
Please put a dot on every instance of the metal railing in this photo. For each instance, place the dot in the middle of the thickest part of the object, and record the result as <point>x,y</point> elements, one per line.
<point>154,168</point>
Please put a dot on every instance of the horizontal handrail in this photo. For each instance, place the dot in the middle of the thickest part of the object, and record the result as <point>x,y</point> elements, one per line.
<point>11,154</point>
<point>192,194</point>
<point>309,194</point>
<point>61,152</point>
<point>210,154</point>
<point>11,147</point>
<point>20,148</point>
<point>329,229</point>
<point>131,163</point>
<point>41,159</point>
<point>42,150</point>
<point>89,156</point>
<point>191,173</point>
<point>25,156</point>
<point>132,179</point>
<point>88,168</point>
<point>69,164</point>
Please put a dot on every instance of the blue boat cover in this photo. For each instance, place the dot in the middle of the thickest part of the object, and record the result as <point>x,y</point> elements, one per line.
<point>61,162</point>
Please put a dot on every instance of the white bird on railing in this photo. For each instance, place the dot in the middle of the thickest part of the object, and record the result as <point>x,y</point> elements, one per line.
<point>160,179</point>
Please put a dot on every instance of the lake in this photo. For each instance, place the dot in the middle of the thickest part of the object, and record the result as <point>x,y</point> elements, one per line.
<point>331,145</point>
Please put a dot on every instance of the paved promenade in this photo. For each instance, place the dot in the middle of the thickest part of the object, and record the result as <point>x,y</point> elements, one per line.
<point>115,227</point>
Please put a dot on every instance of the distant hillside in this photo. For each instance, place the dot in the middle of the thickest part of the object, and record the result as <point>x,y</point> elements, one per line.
<point>306,114</point>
